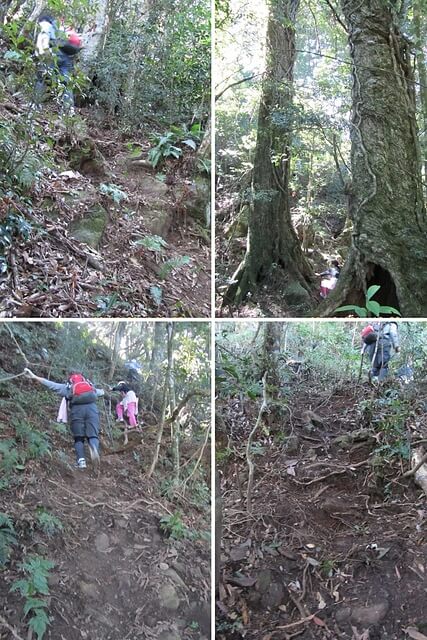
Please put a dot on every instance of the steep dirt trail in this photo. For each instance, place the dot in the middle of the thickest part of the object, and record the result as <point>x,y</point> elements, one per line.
<point>93,261</point>
<point>117,576</point>
<point>335,547</point>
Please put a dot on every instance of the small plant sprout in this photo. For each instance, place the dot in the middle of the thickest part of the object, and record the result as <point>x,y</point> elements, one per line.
<point>174,527</point>
<point>49,523</point>
<point>114,192</point>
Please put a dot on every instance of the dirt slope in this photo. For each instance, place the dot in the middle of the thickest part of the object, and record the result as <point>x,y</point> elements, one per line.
<point>336,546</point>
<point>92,260</point>
<point>116,576</point>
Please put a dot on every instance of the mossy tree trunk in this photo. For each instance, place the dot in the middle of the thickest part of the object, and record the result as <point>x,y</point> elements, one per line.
<point>272,241</point>
<point>386,204</point>
<point>419,33</point>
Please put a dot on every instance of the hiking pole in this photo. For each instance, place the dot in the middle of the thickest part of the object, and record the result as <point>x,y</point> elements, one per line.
<point>361,365</point>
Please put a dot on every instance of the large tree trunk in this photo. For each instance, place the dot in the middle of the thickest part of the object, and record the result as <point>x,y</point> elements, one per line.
<point>153,377</point>
<point>272,339</point>
<point>95,35</point>
<point>166,387</point>
<point>419,33</point>
<point>119,331</point>
<point>387,207</point>
<point>271,238</point>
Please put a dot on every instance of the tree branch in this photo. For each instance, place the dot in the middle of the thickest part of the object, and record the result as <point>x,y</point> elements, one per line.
<point>249,458</point>
<point>233,84</point>
<point>337,18</point>
<point>183,402</point>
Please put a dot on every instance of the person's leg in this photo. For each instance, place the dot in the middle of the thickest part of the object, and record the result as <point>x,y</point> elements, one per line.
<point>131,409</point>
<point>79,447</point>
<point>92,430</point>
<point>78,431</point>
<point>43,73</point>
<point>119,411</point>
<point>385,359</point>
<point>65,68</point>
<point>373,371</point>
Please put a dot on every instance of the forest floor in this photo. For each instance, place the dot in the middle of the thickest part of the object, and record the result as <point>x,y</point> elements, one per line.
<point>90,254</point>
<point>117,574</point>
<point>335,545</point>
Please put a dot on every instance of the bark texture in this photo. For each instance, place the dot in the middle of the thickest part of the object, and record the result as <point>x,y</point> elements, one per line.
<point>95,34</point>
<point>422,76</point>
<point>386,204</point>
<point>272,340</point>
<point>272,240</point>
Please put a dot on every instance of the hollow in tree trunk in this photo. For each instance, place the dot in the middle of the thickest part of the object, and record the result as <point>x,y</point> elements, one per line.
<point>272,242</point>
<point>386,204</point>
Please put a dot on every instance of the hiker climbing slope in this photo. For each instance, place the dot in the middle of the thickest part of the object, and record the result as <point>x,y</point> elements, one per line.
<point>79,401</point>
<point>378,341</point>
<point>128,405</point>
<point>57,50</point>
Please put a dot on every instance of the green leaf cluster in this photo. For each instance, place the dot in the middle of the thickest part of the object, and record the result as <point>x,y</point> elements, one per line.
<point>371,308</point>
<point>49,523</point>
<point>36,570</point>
<point>174,527</point>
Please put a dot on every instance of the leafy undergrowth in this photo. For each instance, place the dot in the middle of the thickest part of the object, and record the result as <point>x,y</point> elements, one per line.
<point>335,545</point>
<point>76,168</point>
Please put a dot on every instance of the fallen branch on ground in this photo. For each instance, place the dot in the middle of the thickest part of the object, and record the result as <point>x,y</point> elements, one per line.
<point>333,473</point>
<point>5,624</point>
<point>124,509</point>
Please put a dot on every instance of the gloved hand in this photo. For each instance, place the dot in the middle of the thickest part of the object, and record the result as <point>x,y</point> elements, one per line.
<point>29,373</point>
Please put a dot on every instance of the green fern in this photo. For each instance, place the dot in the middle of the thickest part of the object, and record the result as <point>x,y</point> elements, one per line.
<point>7,538</point>
<point>9,455</point>
<point>35,584</point>
<point>153,243</point>
<point>174,527</point>
<point>49,523</point>
<point>173,263</point>
<point>37,570</point>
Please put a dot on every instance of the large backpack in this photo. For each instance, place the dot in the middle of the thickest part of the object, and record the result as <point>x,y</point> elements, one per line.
<point>369,335</point>
<point>70,44</point>
<point>81,390</point>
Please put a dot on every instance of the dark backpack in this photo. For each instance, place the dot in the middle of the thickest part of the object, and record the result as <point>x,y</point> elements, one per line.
<point>70,44</point>
<point>369,335</point>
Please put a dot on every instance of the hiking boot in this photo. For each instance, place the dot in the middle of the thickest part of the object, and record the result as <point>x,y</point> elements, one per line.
<point>94,455</point>
<point>81,463</point>
<point>120,420</point>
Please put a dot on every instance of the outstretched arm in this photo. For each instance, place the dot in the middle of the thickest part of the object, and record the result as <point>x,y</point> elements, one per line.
<point>60,388</point>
